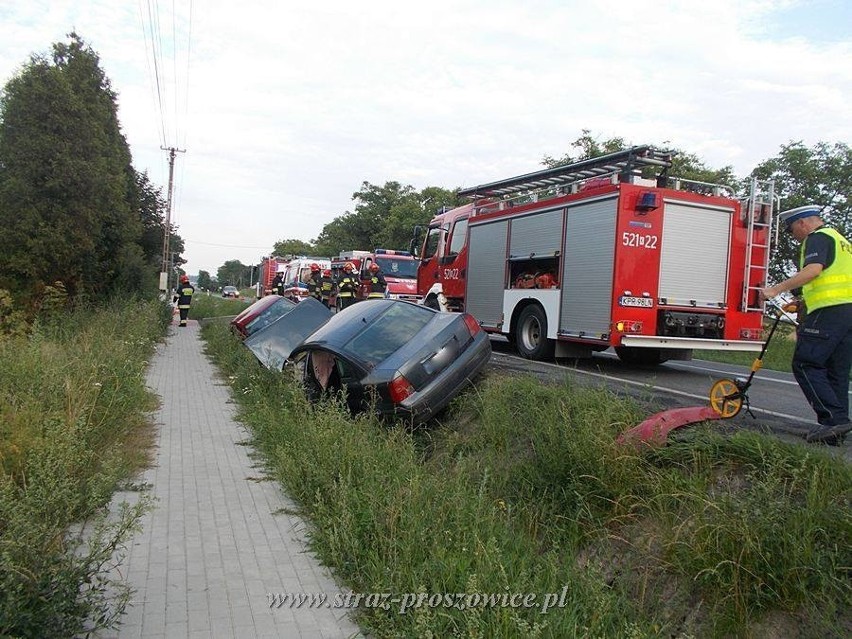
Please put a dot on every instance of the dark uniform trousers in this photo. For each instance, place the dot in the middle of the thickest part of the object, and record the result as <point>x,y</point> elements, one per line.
<point>821,362</point>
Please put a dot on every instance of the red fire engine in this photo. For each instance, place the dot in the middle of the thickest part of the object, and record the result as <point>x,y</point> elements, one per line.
<point>606,252</point>
<point>269,266</point>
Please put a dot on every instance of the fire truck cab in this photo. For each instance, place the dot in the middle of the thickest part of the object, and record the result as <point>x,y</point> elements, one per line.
<point>606,252</point>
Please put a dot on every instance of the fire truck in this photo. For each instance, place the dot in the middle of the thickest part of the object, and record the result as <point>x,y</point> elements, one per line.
<point>398,267</point>
<point>269,266</point>
<point>605,252</point>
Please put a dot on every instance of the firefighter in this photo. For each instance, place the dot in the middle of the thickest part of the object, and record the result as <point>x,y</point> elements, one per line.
<point>314,285</point>
<point>378,285</point>
<point>326,287</point>
<point>348,286</point>
<point>823,355</point>
<point>278,283</point>
<point>183,297</point>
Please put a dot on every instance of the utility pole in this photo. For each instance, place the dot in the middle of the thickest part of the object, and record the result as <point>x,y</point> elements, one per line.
<point>167,230</point>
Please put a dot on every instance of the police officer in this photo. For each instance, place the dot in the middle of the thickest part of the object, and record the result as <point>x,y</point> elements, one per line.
<point>378,285</point>
<point>348,286</point>
<point>183,297</point>
<point>823,355</point>
<point>326,287</point>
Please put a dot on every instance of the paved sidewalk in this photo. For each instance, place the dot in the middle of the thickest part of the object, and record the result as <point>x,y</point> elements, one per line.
<point>219,538</point>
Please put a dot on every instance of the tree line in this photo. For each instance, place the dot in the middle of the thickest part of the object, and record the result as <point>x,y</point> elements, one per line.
<point>77,216</point>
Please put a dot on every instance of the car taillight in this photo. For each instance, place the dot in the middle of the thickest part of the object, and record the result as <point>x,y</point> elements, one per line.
<point>472,325</point>
<point>400,388</point>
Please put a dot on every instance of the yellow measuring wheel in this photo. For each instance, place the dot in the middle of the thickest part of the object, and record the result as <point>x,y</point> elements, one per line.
<point>726,398</point>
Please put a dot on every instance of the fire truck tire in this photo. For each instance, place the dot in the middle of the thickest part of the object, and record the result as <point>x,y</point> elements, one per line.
<point>640,356</point>
<point>531,334</point>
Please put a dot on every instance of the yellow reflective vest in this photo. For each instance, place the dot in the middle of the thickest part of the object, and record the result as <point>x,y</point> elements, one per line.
<point>833,285</point>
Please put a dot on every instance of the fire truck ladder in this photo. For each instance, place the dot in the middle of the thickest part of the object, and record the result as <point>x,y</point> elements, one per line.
<point>758,212</point>
<point>625,163</point>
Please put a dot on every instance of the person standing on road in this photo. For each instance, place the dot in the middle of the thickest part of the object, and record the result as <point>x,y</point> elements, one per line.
<point>183,297</point>
<point>326,287</point>
<point>378,285</point>
<point>823,355</point>
<point>347,287</point>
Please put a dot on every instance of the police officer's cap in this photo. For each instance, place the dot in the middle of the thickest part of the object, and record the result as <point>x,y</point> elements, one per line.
<point>791,215</point>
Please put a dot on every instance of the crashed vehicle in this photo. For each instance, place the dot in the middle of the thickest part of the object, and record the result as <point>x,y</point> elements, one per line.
<point>392,356</point>
<point>261,314</point>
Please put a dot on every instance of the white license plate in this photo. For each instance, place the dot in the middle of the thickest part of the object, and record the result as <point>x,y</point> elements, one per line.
<point>640,302</point>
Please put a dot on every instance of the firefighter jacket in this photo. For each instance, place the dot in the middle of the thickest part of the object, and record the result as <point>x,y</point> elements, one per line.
<point>347,286</point>
<point>833,285</point>
<point>314,285</point>
<point>183,295</point>
<point>326,288</point>
<point>378,286</point>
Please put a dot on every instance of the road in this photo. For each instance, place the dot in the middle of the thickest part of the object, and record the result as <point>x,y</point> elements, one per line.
<point>777,402</point>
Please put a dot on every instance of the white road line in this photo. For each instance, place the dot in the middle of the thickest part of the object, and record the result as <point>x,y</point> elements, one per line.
<point>664,389</point>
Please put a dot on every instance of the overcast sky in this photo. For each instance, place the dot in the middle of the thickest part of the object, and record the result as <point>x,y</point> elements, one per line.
<point>284,108</point>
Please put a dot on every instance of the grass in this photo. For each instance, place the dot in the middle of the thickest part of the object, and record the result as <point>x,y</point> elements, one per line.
<point>522,489</point>
<point>73,425</point>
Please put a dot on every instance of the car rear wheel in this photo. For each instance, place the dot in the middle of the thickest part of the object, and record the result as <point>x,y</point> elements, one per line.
<point>531,334</point>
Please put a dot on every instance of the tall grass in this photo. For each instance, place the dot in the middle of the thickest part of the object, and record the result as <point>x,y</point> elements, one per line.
<point>72,426</point>
<point>522,489</point>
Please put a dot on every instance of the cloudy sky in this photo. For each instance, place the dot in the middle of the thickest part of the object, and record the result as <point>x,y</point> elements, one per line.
<point>284,108</point>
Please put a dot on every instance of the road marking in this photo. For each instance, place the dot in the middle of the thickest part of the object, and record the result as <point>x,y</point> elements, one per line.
<point>663,389</point>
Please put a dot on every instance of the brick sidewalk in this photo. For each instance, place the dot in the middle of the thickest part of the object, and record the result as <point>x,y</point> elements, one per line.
<point>219,537</point>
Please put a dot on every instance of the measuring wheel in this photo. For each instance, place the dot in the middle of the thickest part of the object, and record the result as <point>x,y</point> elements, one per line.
<point>726,398</point>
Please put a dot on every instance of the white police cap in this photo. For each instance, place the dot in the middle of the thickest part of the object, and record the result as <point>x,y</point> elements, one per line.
<point>791,215</point>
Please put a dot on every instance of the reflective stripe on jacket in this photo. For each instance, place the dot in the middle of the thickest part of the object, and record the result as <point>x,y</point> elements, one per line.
<point>184,295</point>
<point>347,286</point>
<point>833,285</point>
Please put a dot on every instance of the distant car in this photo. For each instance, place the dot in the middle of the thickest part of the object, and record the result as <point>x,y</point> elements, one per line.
<point>261,314</point>
<point>230,291</point>
<point>397,357</point>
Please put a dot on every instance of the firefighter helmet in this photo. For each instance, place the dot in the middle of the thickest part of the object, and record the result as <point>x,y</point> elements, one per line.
<point>326,272</point>
<point>374,268</point>
<point>349,267</point>
<point>184,279</point>
<point>314,267</point>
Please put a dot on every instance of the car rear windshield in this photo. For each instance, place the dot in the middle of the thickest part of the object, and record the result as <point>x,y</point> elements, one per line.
<point>389,332</point>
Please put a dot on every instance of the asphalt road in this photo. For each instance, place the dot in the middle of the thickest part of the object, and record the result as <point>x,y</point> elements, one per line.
<point>777,403</point>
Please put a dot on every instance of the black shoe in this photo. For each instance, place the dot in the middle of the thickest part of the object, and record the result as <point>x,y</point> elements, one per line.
<point>831,435</point>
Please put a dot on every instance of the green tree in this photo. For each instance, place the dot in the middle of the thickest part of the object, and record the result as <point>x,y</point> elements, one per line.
<point>205,281</point>
<point>66,179</point>
<point>292,247</point>
<point>234,273</point>
<point>819,175</point>
<point>384,217</point>
<point>684,165</point>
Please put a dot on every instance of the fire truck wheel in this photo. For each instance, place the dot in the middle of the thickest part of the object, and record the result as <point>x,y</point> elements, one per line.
<point>640,356</point>
<point>531,334</point>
